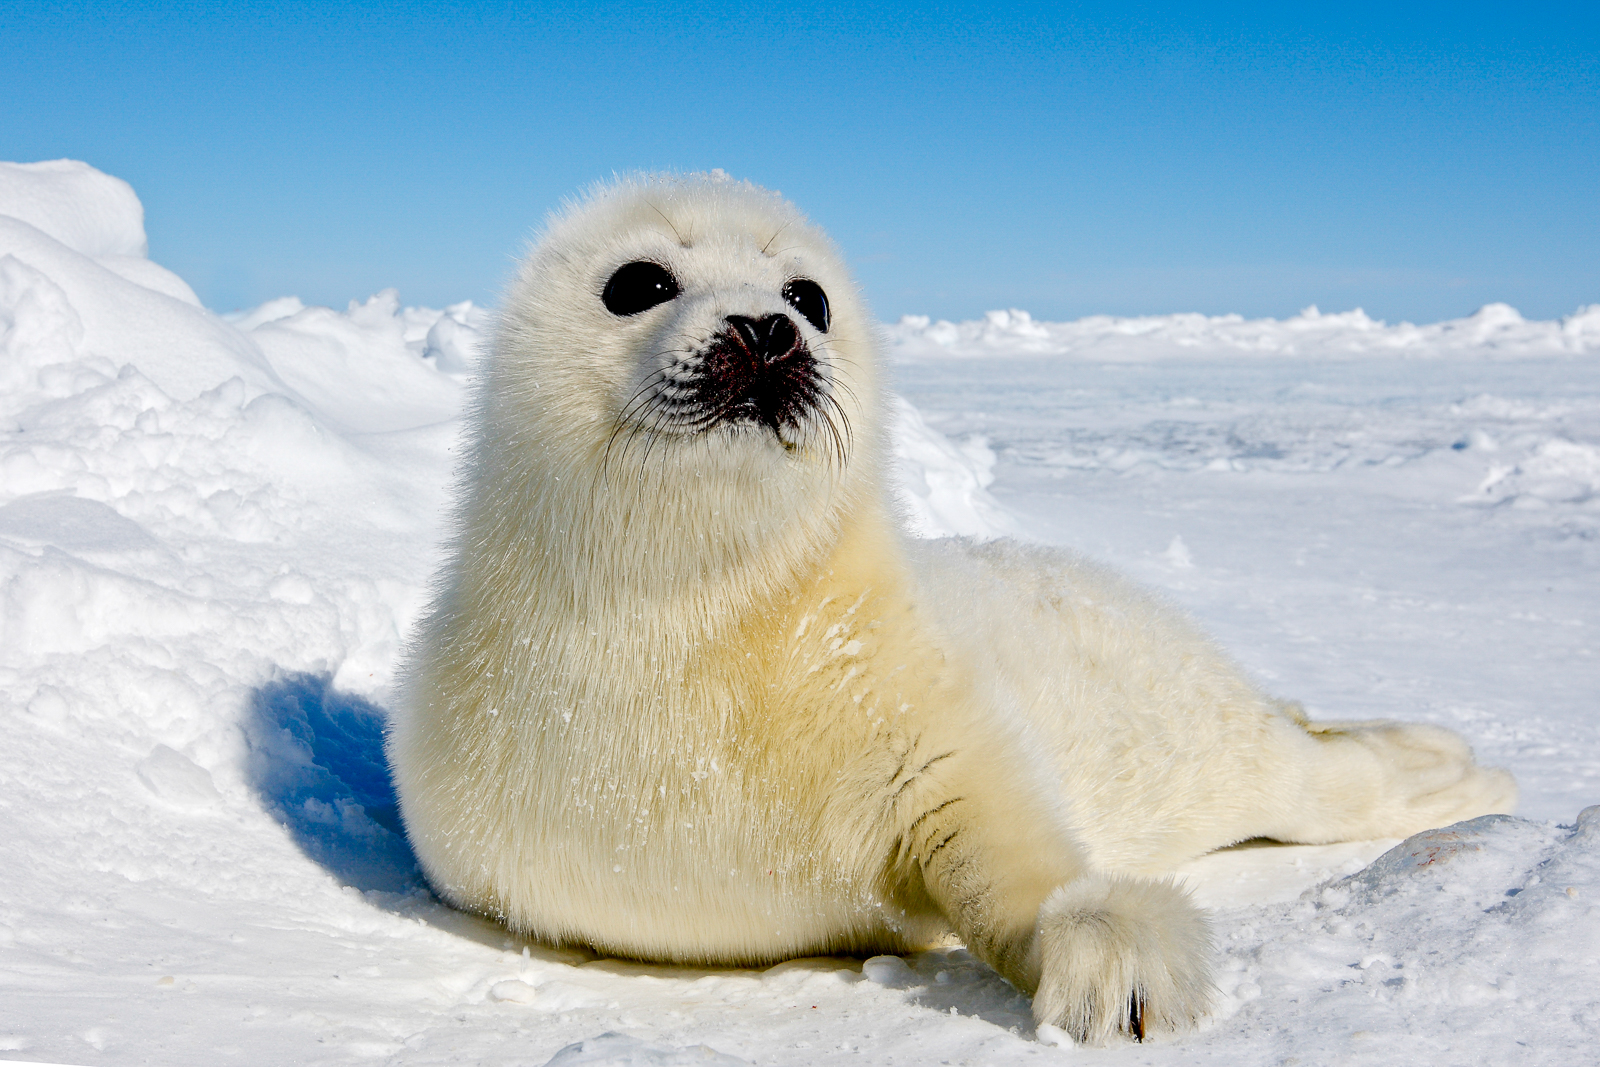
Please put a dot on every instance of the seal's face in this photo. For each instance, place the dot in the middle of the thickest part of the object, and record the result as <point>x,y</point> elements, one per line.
<point>692,321</point>
<point>756,372</point>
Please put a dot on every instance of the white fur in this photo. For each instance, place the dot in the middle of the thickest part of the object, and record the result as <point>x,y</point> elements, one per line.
<point>692,697</point>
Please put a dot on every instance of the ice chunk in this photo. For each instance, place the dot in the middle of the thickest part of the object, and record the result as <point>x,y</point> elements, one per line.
<point>1490,850</point>
<point>513,990</point>
<point>174,777</point>
<point>890,971</point>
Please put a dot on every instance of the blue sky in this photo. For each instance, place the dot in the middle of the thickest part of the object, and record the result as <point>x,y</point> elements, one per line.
<point>1414,160</point>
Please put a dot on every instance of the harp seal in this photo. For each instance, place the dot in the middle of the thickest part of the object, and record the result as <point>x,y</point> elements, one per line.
<point>686,693</point>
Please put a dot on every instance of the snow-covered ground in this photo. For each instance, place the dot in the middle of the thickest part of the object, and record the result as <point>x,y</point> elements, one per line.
<point>215,531</point>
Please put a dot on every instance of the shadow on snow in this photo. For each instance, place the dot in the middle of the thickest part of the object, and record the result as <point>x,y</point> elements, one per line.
<point>317,760</point>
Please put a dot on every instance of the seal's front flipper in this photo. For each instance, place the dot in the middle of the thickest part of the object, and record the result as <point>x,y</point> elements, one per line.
<point>1122,954</point>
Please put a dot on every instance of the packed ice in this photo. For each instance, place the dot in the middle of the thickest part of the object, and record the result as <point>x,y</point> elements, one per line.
<point>217,529</point>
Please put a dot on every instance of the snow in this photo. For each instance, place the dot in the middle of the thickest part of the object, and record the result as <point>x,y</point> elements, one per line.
<point>1495,331</point>
<point>87,210</point>
<point>215,532</point>
<point>943,485</point>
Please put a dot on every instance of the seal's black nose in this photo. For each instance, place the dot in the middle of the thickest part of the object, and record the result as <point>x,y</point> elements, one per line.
<point>756,370</point>
<point>768,338</point>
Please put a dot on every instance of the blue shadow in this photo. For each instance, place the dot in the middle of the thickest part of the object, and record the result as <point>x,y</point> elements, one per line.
<point>316,758</point>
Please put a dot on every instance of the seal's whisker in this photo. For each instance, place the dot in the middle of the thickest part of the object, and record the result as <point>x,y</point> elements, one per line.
<point>639,398</point>
<point>841,431</point>
<point>669,222</point>
<point>774,237</point>
<point>651,430</point>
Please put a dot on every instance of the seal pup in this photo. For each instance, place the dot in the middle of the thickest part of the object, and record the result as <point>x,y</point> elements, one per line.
<point>686,693</point>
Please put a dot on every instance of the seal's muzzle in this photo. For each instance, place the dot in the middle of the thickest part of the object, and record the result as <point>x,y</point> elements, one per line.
<point>757,370</point>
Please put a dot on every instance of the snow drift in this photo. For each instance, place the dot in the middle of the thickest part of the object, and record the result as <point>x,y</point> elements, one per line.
<point>1496,330</point>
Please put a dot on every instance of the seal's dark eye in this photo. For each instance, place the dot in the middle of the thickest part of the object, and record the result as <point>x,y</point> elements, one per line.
<point>807,297</point>
<point>639,287</point>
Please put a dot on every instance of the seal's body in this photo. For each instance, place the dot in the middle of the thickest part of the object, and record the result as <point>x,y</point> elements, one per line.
<point>687,694</point>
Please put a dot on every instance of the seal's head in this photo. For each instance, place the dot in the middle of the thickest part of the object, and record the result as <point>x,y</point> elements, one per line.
<point>685,318</point>
<point>686,353</point>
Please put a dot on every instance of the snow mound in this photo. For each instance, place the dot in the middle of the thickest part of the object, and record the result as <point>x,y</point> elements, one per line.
<point>1555,472</point>
<point>450,341</point>
<point>942,486</point>
<point>90,212</point>
<point>1483,854</point>
<point>619,1050</point>
<point>353,366</point>
<point>1463,924</point>
<point>1495,330</point>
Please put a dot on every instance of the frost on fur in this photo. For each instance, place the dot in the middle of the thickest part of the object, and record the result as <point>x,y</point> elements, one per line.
<point>1121,954</point>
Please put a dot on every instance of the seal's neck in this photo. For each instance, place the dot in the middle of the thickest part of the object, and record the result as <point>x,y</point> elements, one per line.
<point>692,547</point>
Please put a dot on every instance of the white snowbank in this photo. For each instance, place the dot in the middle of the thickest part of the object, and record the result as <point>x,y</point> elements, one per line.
<point>214,535</point>
<point>1495,330</point>
<point>90,212</point>
<point>942,486</point>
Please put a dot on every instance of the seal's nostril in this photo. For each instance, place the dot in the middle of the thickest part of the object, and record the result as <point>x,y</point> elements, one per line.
<point>747,330</point>
<point>781,335</point>
<point>768,338</point>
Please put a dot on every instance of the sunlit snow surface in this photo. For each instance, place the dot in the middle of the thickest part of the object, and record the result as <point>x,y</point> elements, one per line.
<point>214,535</point>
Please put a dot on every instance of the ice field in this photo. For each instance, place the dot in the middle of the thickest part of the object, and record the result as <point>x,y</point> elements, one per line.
<point>216,530</point>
